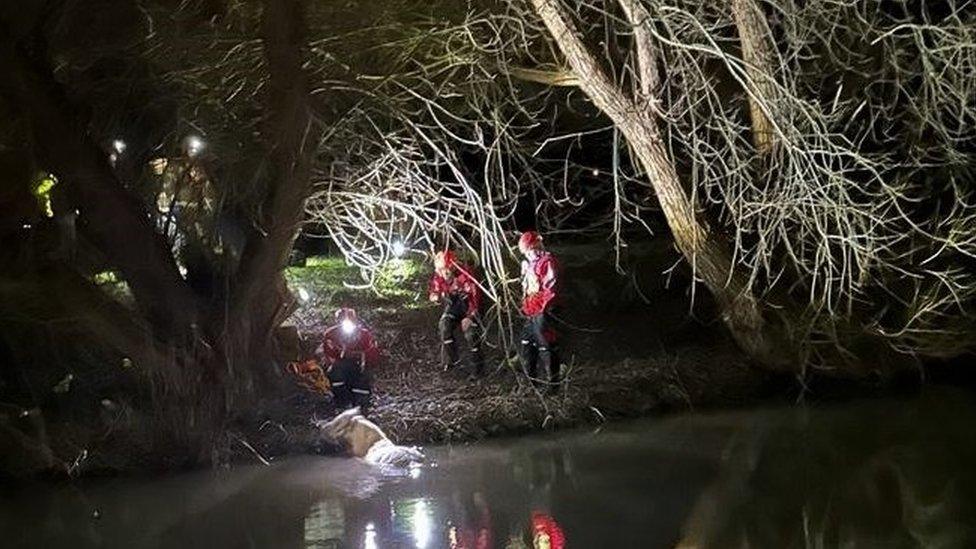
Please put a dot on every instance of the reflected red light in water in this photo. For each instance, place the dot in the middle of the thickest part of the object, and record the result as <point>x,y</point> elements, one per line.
<point>546,533</point>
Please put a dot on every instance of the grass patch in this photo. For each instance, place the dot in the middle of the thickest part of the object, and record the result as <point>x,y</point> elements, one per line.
<point>326,283</point>
<point>401,278</point>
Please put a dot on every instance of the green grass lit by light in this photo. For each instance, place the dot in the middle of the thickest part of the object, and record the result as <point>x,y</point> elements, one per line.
<point>42,192</point>
<point>326,261</point>
<point>328,282</point>
<point>323,276</point>
<point>400,277</point>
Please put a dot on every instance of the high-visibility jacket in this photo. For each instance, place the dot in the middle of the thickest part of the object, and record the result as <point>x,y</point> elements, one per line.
<point>539,283</point>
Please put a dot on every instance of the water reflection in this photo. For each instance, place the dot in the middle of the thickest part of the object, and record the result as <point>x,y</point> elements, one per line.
<point>369,537</point>
<point>325,524</point>
<point>458,515</point>
<point>546,532</point>
<point>471,525</point>
<point>883,477</point>
<point>881,474</point>
<point>414,515</point>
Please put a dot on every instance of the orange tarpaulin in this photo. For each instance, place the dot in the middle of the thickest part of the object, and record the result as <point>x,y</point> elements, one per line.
<point>309,374</point>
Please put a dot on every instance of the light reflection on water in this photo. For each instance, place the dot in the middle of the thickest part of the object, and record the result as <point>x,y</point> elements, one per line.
<point>874,474</point>
<point>325,524</point>
<point>420,522</point>
<point>369,537</point>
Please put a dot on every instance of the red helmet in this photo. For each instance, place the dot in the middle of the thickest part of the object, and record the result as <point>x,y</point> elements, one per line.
<point>344,313</point>
<point>444,259</point>
<point>529,240</point>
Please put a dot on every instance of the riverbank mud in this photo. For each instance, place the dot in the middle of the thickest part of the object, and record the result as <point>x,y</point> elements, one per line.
<point>632,345</point>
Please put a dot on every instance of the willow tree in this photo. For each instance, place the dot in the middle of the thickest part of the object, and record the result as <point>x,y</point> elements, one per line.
<point>758,53</point>
<point>636,117</point>
<point>799,169</point>
<point>96,104</point>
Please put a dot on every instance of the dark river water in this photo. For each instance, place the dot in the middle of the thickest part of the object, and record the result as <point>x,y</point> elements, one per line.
<point>880,473</point>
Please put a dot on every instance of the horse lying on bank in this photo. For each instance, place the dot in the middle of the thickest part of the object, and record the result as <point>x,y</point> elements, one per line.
<point>363,438</point>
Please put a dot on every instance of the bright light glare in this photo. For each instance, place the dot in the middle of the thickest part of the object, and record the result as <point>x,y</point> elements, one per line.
<point>303,294</point>
<point>119,146</point>
<point>348,326</point>
<point>194,145</point>
<point>369,540</point>
<point>421,524</point>
<point>596,172</point>
<point>399,249</point>
<point>414,470</point>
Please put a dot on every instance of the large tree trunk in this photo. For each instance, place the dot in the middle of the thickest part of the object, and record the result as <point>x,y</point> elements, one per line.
<point>758,51</point>
<point>203,354</point>
<point>259,297</point>
<point>706,251</point>
<point>114,220</point>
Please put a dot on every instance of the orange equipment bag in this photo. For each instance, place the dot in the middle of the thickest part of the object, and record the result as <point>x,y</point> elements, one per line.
<point>310,376</point>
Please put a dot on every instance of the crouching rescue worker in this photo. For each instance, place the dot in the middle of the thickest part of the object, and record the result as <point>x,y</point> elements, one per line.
<point>349,351</point>
<point>455,287</point>
<point>539,294</point>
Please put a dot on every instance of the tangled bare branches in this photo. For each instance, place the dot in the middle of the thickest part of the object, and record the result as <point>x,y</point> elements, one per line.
<point>433,154</point>
<point>863,196</point>
<point>865,199</point>
<point>447,119</point>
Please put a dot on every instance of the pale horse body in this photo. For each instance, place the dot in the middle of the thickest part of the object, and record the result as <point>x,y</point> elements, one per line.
<point>364,439</point>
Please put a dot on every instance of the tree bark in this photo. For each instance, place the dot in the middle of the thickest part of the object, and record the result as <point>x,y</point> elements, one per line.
<point>706,251</point>
<point>648,77</point>
<point>548,77</point>
<point>755,39</point>
<point>259,297</point>
<point>114,220</point>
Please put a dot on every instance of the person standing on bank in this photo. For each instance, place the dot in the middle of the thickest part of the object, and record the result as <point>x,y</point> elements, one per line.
<point>539,290</point>
<point>455,287</point>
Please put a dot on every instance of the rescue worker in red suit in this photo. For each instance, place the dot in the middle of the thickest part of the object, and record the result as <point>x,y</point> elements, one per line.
<point>454,285</point>
<point>349,352</point>
<point>538,334</point>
